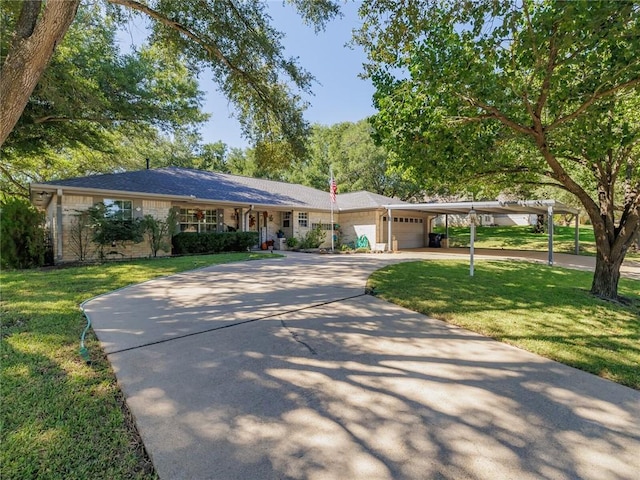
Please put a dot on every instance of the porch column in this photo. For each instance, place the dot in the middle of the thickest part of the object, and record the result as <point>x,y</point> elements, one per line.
<point>59,228</point>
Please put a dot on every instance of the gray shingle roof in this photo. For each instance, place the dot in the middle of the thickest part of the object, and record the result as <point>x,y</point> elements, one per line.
<point>221,187</point>
<point>364,200</point>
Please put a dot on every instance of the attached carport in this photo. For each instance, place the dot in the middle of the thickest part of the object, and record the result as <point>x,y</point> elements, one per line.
<point>538,207</point>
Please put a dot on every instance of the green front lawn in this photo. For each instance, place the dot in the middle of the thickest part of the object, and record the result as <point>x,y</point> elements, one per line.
<point>62,418</point>
<point>544,310</point>
<point>523,238</point>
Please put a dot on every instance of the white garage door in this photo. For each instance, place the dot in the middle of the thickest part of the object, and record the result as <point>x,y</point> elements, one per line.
<point>408,230</point>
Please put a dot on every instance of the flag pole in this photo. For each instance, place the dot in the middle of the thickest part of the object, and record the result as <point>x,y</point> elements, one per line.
<point>331,197</point>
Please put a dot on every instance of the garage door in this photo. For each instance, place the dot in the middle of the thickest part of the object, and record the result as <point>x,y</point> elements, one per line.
<point>408,230</point>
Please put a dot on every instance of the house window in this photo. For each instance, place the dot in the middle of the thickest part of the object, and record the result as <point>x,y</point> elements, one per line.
<point>118,209</point>
<point>286,219</point>
<point>303,219</point>
<point>321,226</point>
<point>198,220</point>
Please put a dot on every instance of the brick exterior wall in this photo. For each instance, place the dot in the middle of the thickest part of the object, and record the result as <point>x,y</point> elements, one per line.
<point>354,224</point>
<point>73,204</point>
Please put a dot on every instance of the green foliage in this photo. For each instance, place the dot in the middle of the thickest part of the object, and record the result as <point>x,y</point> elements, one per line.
<point>159,232</point>
<point>22,237</point>
<point>93,100</point>
<point>199,243</point>
<point>545,310</point>
<point>358,164</point>
<point>245,57</point>
<point>479,96</point>
<point>292,242</point>
<point>108,230</point>
<point>312,239</point>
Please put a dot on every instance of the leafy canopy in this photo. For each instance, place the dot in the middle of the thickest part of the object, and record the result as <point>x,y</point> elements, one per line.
<point>466,90</point>
<point>512,93</point>
<point>92,100</point>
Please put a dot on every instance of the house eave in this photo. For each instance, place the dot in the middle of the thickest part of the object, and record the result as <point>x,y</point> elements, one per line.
<point>72,190</point>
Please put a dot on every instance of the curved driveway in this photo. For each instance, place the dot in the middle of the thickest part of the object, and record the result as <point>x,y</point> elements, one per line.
<point>284,369</point>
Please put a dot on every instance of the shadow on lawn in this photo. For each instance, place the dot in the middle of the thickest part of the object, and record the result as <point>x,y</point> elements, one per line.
<point>545,310</point>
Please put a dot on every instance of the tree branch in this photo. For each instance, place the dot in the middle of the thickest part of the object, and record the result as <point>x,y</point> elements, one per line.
<point>498,115</point>
<point>27,20</point>
<point>206,43</point>
<point>594,98</point>
<point>534,47</point>
<point>22,190</point>
<point>56,119</point>
<point>546,83</point>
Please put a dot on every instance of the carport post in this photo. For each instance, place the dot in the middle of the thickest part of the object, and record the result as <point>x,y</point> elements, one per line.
<point>550,227</point>
<point>472,220</point>
<point>389,245</point>
<point>577,233</point>
<point>446,228</point>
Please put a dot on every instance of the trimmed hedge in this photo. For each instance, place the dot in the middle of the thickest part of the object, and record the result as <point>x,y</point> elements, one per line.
<point>196,243</point>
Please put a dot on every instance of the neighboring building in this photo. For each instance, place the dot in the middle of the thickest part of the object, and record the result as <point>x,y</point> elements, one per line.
<point>489,220</point>
<point>210,201</point>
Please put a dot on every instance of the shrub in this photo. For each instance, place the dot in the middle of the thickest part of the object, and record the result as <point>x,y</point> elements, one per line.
<point>22,237</point>
<point>292,242</point>
<point>80,234</point>
<point>313,238</point>
<point>159,230</point>
<point>198,243</point>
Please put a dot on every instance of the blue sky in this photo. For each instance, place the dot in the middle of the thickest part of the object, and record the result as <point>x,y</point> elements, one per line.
<point>339,95</point>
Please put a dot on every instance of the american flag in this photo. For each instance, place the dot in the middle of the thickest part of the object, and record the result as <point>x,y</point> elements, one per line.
<point>333,189</point>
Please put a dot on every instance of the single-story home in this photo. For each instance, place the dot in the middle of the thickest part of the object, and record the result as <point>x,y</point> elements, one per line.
<point>218,202</point>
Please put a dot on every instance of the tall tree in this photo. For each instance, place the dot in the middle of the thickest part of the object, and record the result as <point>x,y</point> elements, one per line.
<point>358,164</point>
<point>234,39</point>
<point>524,91</point>
<point>90,100</point>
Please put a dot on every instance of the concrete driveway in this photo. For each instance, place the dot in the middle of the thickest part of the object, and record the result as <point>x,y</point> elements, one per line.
<point>284,369</point>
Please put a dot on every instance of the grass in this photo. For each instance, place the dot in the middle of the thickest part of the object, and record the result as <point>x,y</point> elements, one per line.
<point>523,238</point>
<point>547,311</point>
<point>62,418</point>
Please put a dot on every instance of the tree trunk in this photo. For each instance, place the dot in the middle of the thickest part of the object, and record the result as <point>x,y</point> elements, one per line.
<point>612,246</point>
<point>606,276</point>
<point>35,38</point>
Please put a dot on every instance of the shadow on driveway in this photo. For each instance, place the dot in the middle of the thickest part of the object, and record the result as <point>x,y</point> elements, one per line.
<point>352,389</point>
